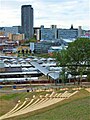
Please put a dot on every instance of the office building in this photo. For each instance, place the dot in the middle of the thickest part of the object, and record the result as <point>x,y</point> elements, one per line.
<point>13,30</point>
<point>43,46</point>
<point>27,20</point>
<point>67,33</point>
<point>49,33</point>
<point>54,33</point>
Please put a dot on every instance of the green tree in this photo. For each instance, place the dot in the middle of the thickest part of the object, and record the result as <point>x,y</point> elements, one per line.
<point>76,57</point>
<point>23,52</point>
<point>79,52</point>
<point>63,75</point>
<point>62,59</point>
<point>31,40</point>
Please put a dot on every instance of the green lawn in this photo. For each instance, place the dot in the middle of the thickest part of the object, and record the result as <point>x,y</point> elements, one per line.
<point>75,108</point>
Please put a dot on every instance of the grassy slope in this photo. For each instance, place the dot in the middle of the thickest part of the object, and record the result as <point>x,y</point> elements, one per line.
<point>75,108</point>
<point>9,100</point>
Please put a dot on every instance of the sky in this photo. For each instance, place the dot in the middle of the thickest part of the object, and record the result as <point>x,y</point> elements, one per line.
<point>62,13</point>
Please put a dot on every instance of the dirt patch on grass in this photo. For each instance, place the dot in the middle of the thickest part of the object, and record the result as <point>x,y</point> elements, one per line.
<point>6,106</point>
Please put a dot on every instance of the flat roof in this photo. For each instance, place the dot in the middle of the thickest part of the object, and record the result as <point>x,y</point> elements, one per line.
<point>18,79</point>
<point>20,73</point>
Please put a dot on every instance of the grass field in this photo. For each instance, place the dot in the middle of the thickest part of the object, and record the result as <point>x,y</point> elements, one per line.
<point>75,108</point>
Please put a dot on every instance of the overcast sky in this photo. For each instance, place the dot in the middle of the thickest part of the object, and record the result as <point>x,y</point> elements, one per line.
<point>62,13</point>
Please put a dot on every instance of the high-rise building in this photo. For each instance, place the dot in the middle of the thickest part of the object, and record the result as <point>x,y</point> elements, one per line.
<point>27,20</point>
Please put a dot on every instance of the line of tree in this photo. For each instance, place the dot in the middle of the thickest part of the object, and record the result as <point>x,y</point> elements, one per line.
<point>24,52</point>
<point>75,59</point>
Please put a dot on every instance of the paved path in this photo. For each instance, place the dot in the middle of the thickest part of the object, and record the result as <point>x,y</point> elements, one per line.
<point>88,89</point>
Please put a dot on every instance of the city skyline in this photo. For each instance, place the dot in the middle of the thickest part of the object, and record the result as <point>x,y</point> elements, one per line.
<point>62,13</point>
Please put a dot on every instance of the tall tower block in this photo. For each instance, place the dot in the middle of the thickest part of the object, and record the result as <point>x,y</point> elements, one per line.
<point>27,20</point>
